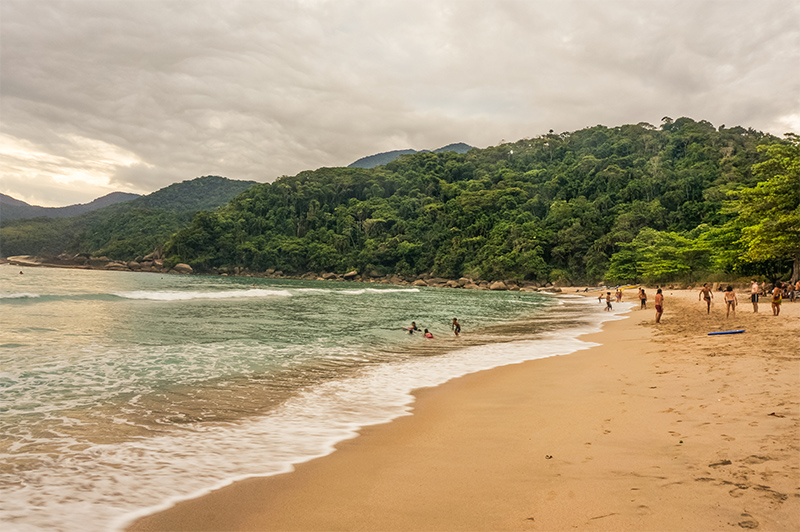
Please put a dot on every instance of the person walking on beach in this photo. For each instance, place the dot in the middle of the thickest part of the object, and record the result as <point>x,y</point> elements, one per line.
<point>754,295</point>
<point>777,294</point>
<point>730,301</point>
<point>642,298</point>
<point>608,302</point>
<point>456,327</point>
<point>659,305</point>
<point>706,294</point>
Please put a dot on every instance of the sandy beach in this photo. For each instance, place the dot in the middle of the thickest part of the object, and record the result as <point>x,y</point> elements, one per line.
<point>660,427</point>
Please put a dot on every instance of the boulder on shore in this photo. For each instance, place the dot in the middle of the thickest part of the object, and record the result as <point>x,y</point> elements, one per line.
<point>498,285</point>
<point>182,268</point>
<point>350,275</point>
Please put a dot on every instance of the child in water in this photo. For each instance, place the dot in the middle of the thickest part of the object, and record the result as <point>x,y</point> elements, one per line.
<point>427,334</point>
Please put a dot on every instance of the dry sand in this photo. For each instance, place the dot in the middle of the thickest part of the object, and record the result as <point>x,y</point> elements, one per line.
<point>659,428</point>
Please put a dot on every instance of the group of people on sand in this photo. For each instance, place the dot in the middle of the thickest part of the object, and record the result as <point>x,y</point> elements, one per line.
<point>659,300</point>
<point>455,327</point>
<point>779,291</point>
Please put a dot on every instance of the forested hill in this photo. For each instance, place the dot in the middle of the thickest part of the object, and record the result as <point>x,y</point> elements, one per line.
<point>14,209</point>
<point>124,230</point>
<point>623,203</point>
<point>371,161</point>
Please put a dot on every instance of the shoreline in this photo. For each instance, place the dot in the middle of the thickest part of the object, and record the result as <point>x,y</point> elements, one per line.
<point>618,436</point>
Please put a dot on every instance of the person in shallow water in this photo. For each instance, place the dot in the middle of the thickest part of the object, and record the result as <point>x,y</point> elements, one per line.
<point>427,334</point>
<point>456,327</point>
<point>412,328</point>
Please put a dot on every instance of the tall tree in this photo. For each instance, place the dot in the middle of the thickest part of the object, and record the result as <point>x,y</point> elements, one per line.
<point>769,213</point>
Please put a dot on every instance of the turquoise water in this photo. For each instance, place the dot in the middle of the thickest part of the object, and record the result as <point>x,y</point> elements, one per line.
<point>121,392</point>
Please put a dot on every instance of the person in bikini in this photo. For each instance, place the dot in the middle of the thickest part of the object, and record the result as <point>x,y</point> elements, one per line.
<point>777,294</point>
<point>730,301</point>
<point>659,305</point>
<point>706,294</point>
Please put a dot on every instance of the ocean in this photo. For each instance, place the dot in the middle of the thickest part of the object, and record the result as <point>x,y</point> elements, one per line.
<point>121,393</point>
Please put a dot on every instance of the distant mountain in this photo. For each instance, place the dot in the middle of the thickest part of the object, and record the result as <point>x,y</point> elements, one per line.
<point>123,230</point>
<point>14,209</point>
<point>371,161</point>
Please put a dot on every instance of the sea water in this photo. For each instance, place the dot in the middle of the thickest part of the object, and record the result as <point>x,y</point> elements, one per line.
<point>121,393</point>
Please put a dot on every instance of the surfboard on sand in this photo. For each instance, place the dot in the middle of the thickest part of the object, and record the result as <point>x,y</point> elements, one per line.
<point>737,331</point>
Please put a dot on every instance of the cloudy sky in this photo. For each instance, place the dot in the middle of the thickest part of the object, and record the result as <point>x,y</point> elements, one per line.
<point>133,95</point>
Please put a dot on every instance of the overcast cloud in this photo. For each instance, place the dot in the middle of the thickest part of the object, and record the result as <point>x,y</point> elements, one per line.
<point>133,95</point>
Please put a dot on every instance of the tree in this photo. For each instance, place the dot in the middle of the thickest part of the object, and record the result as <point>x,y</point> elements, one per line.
<point>769,213</point>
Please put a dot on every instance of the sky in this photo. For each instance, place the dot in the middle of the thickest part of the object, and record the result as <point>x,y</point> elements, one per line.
<point>98,96</point>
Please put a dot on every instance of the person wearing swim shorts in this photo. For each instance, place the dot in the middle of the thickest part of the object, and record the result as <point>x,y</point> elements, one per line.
<point>659,305</point>
<point>777,293</point>
<point>730,301</point>
<point>754,295</point>
<point>706,294</point>
<point>642,298</point>
<point>456,327</point>
<point>608,302</point>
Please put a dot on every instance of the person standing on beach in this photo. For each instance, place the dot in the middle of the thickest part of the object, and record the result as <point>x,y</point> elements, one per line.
<point>456,327</point>
<point>608,302</point>
<point>730,301</point>
<point>642,298</point>
<point>659,305</point>
<point>619,295</point>
<point>706,294</point>
<point>754,295</point>
<point>777,294</point>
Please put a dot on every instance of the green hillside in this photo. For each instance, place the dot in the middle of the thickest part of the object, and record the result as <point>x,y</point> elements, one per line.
<point>624,203</point>
<point>124,230</point>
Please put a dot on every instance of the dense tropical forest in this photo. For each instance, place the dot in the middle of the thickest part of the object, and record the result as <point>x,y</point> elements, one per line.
<point>622,204</point>
<point>125,230</point>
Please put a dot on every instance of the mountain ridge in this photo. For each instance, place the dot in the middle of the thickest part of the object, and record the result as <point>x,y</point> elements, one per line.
<point>13,209</point>
<point>378,159</point>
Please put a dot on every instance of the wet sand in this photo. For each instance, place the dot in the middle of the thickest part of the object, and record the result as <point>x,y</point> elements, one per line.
<point>661,427</point>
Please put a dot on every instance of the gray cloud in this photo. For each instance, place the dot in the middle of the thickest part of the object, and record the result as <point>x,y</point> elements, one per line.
<point>101,95</point>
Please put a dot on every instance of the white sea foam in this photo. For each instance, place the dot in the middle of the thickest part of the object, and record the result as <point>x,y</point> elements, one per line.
<point>19,295</point>
<point>184,296</point>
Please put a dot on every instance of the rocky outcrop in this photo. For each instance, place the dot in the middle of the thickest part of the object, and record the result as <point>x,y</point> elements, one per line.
<point>182,268</point>
<point>153,262</point>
